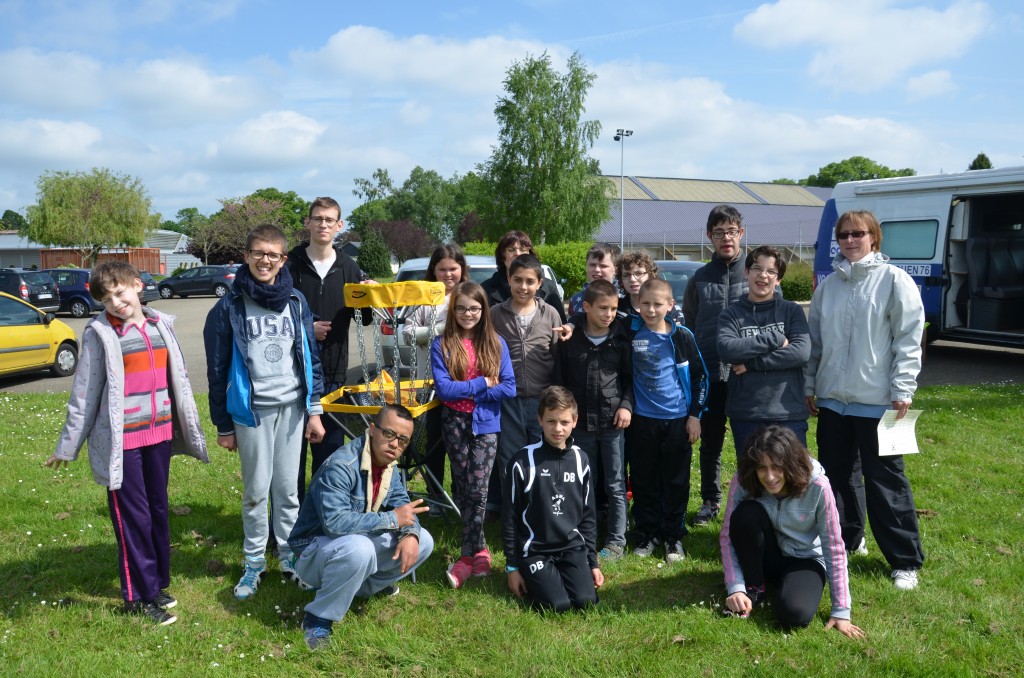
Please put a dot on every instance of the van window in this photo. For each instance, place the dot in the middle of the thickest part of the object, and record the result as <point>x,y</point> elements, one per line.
<point>910,239</point>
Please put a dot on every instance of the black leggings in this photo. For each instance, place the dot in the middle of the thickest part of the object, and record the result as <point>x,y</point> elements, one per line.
<point>800,581</point>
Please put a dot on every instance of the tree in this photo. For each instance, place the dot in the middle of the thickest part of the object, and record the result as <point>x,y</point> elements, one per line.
<point>541,179</point>
<point>89,211</point>
<point>14,221</point>
<point>469,229</point>
<point>292,210</point>
<point>855,168</point>
<point>426,199</point>
<point>366,214</point>
<point>980,161</point>
<point>788,182</point>
<point>221,238</point>
<point>404,239</point>
<point>374,257</point>
<point>379,188</point>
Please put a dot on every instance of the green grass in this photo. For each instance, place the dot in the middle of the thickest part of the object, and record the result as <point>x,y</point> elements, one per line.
<point>59,587</point>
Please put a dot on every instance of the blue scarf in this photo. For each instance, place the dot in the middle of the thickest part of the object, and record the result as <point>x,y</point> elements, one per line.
<point>270,296</point>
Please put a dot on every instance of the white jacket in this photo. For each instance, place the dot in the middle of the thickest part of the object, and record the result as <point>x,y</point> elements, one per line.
<point>866,322</point>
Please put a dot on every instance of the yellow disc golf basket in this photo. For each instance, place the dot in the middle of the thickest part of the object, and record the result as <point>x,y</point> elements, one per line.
<point>353,407</point>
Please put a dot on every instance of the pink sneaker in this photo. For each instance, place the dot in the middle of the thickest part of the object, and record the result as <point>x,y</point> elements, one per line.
<point>482,564</point>
<point>460,571</point>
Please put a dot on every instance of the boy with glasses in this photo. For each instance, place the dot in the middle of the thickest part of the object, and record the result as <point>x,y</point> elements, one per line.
<point>357,533</point>
<point>711,290</point>
<point>634,269</point>
<point>767,341</point>
<point>265,389</point>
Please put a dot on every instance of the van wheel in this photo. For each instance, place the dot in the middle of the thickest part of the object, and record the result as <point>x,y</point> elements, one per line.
<point>79,308</point>
<point>66,360</point>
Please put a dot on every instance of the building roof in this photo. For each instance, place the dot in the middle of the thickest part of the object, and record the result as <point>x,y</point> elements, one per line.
<point>715,191</point>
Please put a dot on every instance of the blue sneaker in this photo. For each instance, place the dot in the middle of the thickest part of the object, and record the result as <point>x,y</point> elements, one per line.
<point>316,630</point>
<point>252,575</point>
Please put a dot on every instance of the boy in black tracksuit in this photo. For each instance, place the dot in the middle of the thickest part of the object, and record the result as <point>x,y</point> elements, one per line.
<point>549,525</point>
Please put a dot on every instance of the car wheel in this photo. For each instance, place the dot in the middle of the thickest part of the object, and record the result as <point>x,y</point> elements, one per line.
<point>79,308</point>
<point>66,360</point>
<point>220,290</point>
<point>166,293</point>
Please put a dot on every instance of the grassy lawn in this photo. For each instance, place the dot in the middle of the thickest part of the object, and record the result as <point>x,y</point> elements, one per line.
<point>59,588</point>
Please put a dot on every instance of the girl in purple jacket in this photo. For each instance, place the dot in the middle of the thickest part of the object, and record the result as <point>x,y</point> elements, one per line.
<point>472,373</point>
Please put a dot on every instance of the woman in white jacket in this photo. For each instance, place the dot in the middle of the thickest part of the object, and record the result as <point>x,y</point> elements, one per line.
<point>866,323</point>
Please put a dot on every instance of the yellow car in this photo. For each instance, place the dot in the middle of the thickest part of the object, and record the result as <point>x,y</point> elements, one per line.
<point>32,340</point>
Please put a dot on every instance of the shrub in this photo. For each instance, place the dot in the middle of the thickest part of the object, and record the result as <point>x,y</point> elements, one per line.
<point>798,285</point>
<point>568,260</point>
<point>374,257</point>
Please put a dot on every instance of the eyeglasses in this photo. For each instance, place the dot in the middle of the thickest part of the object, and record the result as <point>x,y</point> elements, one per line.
<point>731,234</point>
<point>468,310</point>
<point>389,435</point>
<point>757,270</point>
<point>272,257</point>
<point>856,235</point>
<point>330,221</point>
<point>635,275</point>
<point>517,249</point>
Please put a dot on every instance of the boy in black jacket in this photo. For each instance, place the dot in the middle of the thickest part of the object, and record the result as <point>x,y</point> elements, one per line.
<point>550,524</point>
<point>597,367</point>
<point>320,271</point>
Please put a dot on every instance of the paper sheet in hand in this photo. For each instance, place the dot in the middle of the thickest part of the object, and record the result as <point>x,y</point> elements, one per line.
<point>897,437</point>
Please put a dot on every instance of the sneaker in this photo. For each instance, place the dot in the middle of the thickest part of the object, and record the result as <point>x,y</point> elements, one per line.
<point>165,600</point>
<point>316,630</point>
<point>610,552</point>
<point>904,580</point>
<point>646,547</point>
<point>674,552</point>
<point>390,591</point>
<point>460,571</point>
<point>482,563</point>
<point>707,512</point>
<point>287,564</point>
<point>861,550</point>
<point>252,575</point>
<point>149,609</point>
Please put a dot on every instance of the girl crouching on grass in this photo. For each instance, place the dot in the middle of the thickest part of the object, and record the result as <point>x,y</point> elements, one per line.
<point>472,373</point>
<point>781,527</point>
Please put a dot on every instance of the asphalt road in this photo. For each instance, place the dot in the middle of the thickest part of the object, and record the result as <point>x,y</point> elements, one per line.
<point>946,362</point>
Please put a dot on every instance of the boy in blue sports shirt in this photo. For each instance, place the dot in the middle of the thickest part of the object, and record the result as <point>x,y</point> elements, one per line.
<point>669,387</point>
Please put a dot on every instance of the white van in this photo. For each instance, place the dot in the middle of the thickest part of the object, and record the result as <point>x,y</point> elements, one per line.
<point>960,236</point>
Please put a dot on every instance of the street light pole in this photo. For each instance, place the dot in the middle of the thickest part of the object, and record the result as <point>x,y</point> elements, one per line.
<point>620,136</point>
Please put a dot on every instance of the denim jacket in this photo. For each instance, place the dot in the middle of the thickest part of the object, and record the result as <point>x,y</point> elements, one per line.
<point>336,502</point>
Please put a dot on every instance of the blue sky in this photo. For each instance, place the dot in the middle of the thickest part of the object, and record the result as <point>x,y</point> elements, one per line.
<point>210,99</point>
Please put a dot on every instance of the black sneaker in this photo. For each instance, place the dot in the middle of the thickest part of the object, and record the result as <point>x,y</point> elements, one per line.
<point>674,552</point>
<point>646,546</point>
<point>165,600</point>
<point>707,512</point>
<point>149,609</point>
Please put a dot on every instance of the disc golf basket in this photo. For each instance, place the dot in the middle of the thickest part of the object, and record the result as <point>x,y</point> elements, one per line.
<point>354,407</point>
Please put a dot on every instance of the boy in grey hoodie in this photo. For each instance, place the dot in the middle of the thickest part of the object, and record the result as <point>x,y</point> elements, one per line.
<point>767,341</point>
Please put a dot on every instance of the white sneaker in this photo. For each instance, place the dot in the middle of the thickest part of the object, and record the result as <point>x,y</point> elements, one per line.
<point>861,550</point>
<point>252,575</point>
<point>288,570</point>
<point>904,580</point>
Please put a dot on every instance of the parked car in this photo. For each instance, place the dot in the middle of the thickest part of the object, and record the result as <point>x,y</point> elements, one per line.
<point>480,269</point>
<point>149,288</point>
<point>678,274</point>
<point>215,280</point>
<point>33,340</point>
<point>73,284</point>
<point>35,287</point>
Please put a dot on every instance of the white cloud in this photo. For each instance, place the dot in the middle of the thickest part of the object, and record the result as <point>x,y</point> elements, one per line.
<point>866,45</point>
<point>274,139</point>
<point>51,82</point>
<point>931,84</point>
<point>367,55</point>
<point>48,142</point>
<point>173,93</point>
